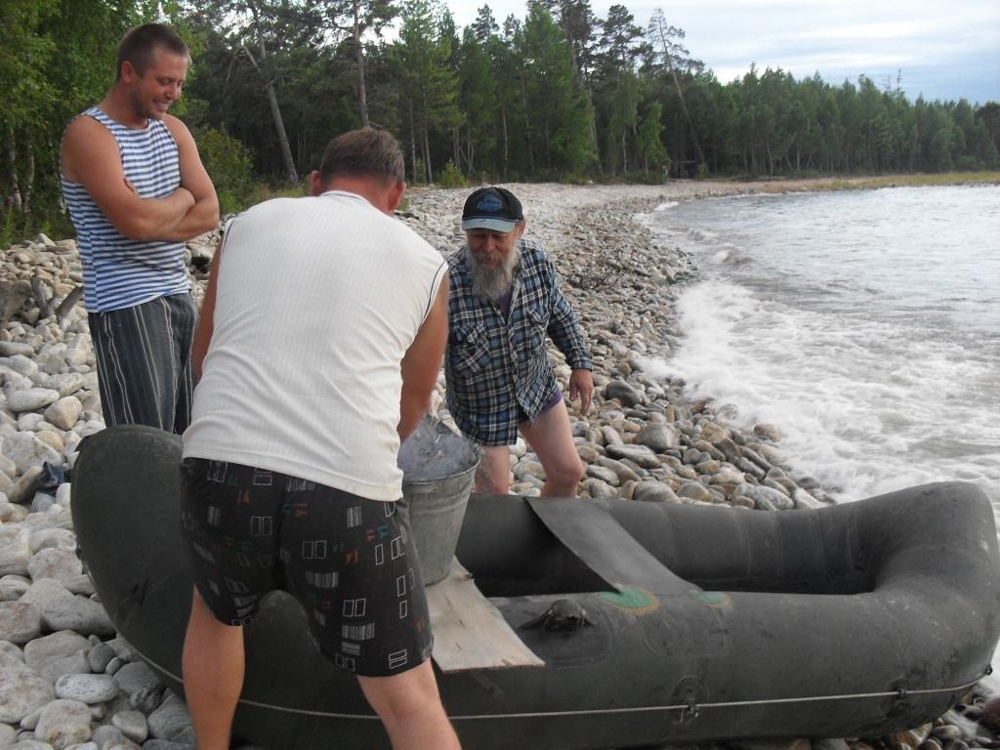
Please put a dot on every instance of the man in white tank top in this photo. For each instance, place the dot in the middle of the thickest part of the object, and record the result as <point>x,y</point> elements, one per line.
<point>319,344</point>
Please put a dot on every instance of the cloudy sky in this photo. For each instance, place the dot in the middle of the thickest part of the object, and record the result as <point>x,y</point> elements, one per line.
<point>946,49</point>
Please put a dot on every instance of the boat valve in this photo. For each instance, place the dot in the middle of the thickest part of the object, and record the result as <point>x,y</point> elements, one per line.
<point>690,711</point>
<point>688,696</point>
<point>565,615</point>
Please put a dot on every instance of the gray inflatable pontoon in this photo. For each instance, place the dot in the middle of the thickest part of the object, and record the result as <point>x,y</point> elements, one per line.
<point>666,624</point>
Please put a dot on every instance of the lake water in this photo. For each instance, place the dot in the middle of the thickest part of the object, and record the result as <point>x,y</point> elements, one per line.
<point>865,325</point>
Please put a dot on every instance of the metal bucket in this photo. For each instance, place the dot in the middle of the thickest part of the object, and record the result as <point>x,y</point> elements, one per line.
<point>439,468</point>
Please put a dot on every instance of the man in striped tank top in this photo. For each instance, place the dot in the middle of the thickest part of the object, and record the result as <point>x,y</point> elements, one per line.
<point>136,191</point>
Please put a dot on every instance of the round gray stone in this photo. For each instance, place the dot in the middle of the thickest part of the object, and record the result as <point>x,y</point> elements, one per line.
<point>625,393</point>
<point>87,688</point>
<point>22,691</point>
<point>30,744</point>
<point>140,684</point>
<point>11,348</point>
<point>658,437</point>
<point>53,562</point>
<point>20,622</point>
<point>640,454</point>
<point>8,735</point>
<point>132,724</point>
<point>655,492</point>
<point>72,664</point>
<point>598,490</point>
<point>58,645</point>
<point>171,720</point>
<point>765,498</point>
<point>15,552</point>
<point>30,399</point>
<point>54,538</point>
<point>695,491</point>
<point>64,413</point>
<point>99,656</point>
<point>24,488</point>
<point>64,723</point>
<point>62,610</point>
<point>107,735</point>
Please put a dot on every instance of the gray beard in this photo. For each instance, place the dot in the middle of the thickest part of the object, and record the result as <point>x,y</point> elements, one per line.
<point>492,284</point>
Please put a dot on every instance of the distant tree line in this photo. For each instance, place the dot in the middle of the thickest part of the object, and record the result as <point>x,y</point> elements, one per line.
<point>558,95</point>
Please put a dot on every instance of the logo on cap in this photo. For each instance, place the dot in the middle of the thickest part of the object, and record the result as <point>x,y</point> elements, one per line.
<point>490,202</point>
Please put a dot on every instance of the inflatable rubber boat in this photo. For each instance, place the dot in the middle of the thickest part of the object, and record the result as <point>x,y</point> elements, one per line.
<point>584,624</point>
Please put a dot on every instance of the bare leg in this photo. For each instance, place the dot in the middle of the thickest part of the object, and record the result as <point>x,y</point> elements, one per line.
<point>551,437</point>
<point>411,711</point>
<point>493,474</point>
<point>213,665</point>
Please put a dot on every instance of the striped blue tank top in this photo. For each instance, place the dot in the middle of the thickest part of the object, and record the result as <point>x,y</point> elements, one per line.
<point>119,272</point>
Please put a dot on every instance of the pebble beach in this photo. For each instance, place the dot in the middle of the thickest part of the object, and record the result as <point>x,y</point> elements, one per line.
<point>67,681</point>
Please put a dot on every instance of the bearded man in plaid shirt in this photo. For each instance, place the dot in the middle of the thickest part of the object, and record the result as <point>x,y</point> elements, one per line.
<point>504,300</point>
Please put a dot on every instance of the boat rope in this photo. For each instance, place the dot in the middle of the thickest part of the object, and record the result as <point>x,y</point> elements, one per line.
<point>688,709</point>
<point>693,708</point>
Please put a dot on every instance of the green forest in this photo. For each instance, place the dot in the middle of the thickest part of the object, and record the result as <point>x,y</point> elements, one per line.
<point>556,95</point>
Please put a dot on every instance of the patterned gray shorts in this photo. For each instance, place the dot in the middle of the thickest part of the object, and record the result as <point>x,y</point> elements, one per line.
<point>348,560</point>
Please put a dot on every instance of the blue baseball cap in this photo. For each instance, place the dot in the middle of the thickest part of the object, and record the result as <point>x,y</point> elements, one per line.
<point>492,208</point>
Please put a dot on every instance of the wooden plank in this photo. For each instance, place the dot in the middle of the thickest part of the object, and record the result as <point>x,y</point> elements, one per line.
<point>469,631</point>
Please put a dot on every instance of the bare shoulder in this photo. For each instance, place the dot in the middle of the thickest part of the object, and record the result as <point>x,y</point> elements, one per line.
<point>83,127</point>
<point>178,130</point>
<point>85,141</point>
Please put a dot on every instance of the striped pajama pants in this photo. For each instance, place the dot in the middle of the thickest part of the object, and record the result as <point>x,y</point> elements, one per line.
<point>143,358</point>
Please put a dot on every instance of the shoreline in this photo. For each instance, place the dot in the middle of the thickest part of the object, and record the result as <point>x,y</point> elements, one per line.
<point>643,438</point>
<point>610,264</point>
<point>608,223</point>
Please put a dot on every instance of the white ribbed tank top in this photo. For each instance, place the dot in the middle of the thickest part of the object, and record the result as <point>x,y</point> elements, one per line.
<point>318,300</point>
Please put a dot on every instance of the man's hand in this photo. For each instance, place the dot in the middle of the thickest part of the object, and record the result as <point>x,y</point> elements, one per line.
<point>203,215</point>
<point>181,192</point>
<point>581,383</point>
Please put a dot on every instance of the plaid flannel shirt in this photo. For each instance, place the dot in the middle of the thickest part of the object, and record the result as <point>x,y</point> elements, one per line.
<point>498,371</point>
